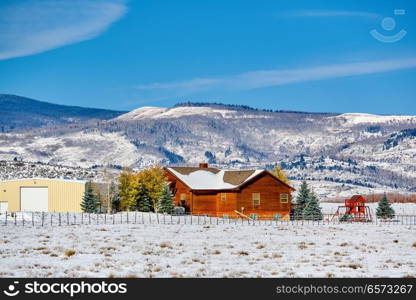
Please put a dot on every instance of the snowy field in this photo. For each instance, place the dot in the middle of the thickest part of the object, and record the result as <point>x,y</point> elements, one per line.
<point>183,250</point>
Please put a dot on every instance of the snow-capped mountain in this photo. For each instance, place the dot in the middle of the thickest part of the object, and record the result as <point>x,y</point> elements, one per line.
<point>353,149</point>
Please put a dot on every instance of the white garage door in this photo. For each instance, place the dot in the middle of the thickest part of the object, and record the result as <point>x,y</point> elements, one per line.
<point>34,199</point>
<point>3,206</point>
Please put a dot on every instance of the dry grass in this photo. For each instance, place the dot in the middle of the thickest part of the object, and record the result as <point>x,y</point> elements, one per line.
<point>302,245</point>
<point>69,253</point>
<point>165,245</point>
<point>40,248</point>
<point>351,266</point>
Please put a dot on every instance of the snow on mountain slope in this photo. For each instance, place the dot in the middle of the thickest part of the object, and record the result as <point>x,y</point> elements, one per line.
<point>352,119</point>
<point>359,150</point>
<point>141,113</point>
<point>76,149</point>
<point>149,112</point>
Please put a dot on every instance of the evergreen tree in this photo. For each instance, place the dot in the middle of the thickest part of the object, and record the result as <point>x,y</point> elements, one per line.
<point>384,209</point>
<point>312,210</point>
<point>143,202</point>
<point>115,198</point>
<point>166,201</point>
<point>302,199</point>
<point>89,202</point>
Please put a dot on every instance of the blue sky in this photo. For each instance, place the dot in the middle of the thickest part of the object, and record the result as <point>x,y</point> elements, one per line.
<point>297,55</point>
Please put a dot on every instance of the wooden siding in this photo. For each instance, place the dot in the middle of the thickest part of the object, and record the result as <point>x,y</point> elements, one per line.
<point>63,196</point>
<point>270,190</point>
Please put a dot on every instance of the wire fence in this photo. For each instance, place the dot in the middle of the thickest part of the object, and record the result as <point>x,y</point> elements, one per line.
<point>40,219</point>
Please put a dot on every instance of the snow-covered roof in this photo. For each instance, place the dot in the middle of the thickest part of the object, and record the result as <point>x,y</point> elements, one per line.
<point>50,179</point>
<point>213,179</point>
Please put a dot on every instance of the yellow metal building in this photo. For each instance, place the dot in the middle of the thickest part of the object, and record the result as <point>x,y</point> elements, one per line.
<point>37,194</point>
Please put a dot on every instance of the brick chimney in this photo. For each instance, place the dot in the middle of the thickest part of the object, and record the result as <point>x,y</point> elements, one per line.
<point>203,165</point>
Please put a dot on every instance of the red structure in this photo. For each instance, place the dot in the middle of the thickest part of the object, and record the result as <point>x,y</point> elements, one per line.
<point>354,210</point>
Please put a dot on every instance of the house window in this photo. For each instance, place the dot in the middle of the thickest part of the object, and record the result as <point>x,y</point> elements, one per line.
<point>284,198</point>
<point>256,199</point>
<point>223,196</point>
<point>183,196</point>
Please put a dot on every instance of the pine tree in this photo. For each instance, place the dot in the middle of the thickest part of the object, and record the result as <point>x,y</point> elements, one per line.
<point>302,199</point>
<point>115,198</point>
<point>384,209</point>
<point>312,210</point>
<point>166,201</point>
<point>89,202</point>
<point>143,202</point>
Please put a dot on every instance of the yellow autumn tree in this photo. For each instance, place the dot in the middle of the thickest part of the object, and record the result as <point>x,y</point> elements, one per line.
<point>127,189</point>
<point>153,180</point>
<point>280,174</point>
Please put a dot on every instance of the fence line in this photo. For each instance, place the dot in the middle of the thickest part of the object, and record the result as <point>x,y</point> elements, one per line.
<point>66,219</point>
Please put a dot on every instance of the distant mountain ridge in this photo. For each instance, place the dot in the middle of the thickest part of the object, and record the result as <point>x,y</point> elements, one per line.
<point>239,107</point>
<point>342,153</point>
<point>21,113</point>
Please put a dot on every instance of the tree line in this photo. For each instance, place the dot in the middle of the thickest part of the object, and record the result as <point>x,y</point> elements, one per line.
<point>147,191</point>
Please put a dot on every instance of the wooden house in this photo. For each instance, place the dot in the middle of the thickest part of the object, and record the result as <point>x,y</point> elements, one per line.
<point>222,193</point>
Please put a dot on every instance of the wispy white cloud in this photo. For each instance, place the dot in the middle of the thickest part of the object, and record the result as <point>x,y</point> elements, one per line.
<point>316,13</point>
<point>269,78</point>
<point>33,26</point>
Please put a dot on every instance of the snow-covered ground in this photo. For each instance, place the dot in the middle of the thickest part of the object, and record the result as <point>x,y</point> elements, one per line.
<point>210,250</point>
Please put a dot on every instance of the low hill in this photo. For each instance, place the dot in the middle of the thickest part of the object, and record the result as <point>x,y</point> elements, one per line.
<point>21,113</point>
